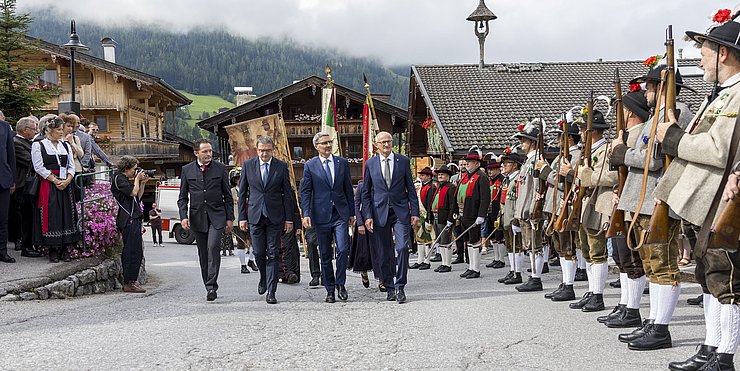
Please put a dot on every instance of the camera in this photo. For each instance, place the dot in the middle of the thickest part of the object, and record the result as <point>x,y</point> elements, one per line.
<point>149,173</point>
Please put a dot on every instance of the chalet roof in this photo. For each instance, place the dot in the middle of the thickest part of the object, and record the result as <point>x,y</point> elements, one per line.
<point>155,83</point>
<point>225,118</point>
<point>483,107</point>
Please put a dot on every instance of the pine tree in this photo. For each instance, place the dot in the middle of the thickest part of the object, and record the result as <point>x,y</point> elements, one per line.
<point>19,90</point>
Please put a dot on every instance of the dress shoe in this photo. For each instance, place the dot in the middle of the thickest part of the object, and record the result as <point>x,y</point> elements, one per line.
<point>515,279</point>
<point>719,362</point>
<point>549,295</point>
<point>270,298</point>
<point>330,297</point>
<point>466,273</point>
<point>695,301</point>
<point>28,253</point>
<point>459,260</point>
<point>414,266</point>
<point>555,262</point>
<point>506,277</point>
<point>18,245</point>
<point>695,362</point>
<point>473,274</point>
<point>579,304</point>
<point>491,264</point>
<point>211,296</point>
<point>595,304</point>
<point>133,287</point>
<point>365,279</point>
<point>655,337</point>
<point>436,258</point>
<point>444,269</point>
<point>400,296</point>
<point>616,284</point>
<point>581,275</point>
<point>314,282</point>
<point>381,287</point>
<point>545,268</point>
<point>533,284</point>
<point>292,278</point>
<point>616,313</point>
<point>245,269</point>
<point>341,292</point>
<point>391,295</point>
<point>253,265</point>
<point>424,266</point>
<point>5,258</point>
<point>629,318</point>
<point>567,294</point>
<point>637,333</point>
<point>261,287</point>
<point>65,256</point>
<point>499,264</point>
<point>437,269</point>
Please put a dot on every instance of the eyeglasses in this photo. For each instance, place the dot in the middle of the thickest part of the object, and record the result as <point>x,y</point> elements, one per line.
<point>324,143</point>
<point>265,150</point>
<point>385,142</point>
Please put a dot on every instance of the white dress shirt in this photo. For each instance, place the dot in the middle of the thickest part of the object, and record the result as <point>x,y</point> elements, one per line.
<point>60,149</point>
<point>331,166</point>
<point>382,163</point>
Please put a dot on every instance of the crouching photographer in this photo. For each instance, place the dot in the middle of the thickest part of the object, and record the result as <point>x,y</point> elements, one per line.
<point>127,188</point>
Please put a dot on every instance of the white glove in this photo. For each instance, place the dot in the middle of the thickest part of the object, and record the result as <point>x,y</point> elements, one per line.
<point>449,223</point>
<point>479,220</point>
<point>516,229</point>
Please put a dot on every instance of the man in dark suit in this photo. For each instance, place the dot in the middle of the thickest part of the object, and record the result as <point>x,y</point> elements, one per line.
<point>271,202</point>
<point>21,211</point>
<point>205,184</point>
<point>390,207</point>
<point>7,186</point>
<point>327,202</point>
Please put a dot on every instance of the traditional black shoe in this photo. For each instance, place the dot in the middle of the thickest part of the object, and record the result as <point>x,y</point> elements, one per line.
<point>629,318</point>
<point>444,269</point>
<point>459,260</point>
<point>245,269</point>
<point>491,264</point>
<point>253,265</point>
<point>342,292</point>
<point>549,295</point>
<point>533,284</point>
<point>545,268</point>
<point>581,275</point>
<point>330,297</point>
<point>437,258</point>
<point>424,266</point>
<point>579,304</point>
<point>211,296</point>
<point>506,277</point>
<point>655,337</point>
<point>465,274</point>
<point>616,313</point>
<point>414,266</point>
<point>555,263</point>
<point>473,274</point>
<point>699,300</point>
<point>314,282</point>
<point>637,333</point>
<point>5,258</point>
<point>270,298</point>
<point>437,269</point>
<point>567,294</point>
<point>719,362</point>
<point>28,253</point>
<point>391,296</point>
<point>616,284</point>
<point>596,304</point>
<point>261,288</point>
<point>515,279</point>
<point>499,264</point>
<point>400,296</point>
<point>694,362</point>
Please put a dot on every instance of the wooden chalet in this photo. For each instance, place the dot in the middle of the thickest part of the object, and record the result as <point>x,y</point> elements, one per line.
<point>300,105</point>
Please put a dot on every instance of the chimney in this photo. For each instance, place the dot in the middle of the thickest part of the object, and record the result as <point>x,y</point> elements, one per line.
<point>109,49</point>
<point>680,53</point>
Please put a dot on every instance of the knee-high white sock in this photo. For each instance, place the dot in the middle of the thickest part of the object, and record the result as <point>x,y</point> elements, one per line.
<point>590,276</point>
<point>511,261</point>
<point>599,272</point>
<point>539,262</point>
<point>569,271</point>
<point>712,320</point>
<point>730,318</point>
<point>422,254</point>
<point>495,251</point>
<point>653,300</point>
<point>546,252</point>
<point>242,254</point>
<point>666,303</point>
<point>519,261</point>
<point>471,251</point>
<point>563,269</point>
<point>502,251</point>
<point>475,255</point>
<point>634,292</point>
<point>580,260</point>
<point>624,290</point>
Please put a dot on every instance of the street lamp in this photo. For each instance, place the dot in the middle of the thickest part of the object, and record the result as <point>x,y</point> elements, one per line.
<point>72,45</point>
<point>480,18</point>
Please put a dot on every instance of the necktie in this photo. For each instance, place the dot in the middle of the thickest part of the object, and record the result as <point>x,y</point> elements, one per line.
<point>203,168</point>
<point>328,172</point>
<point>265,171</point>
<point>387,172</point>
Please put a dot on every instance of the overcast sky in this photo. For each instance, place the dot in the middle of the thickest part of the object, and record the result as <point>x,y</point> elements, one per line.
<point>425,31</point>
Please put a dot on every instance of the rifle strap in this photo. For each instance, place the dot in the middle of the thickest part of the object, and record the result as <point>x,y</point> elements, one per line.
<point>702,240</point>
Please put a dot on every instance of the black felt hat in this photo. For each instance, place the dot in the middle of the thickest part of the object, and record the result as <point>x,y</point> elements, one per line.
<point>443,170</point>
<point>636,102</point>
<point>727,34</point>
<point>530,131</point>
<point>599,123</point>
<point>493,165</point>
<point>427,171</point>
<point>512,156</point>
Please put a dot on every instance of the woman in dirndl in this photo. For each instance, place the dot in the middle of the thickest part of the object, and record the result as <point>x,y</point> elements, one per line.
<point>361,255</point>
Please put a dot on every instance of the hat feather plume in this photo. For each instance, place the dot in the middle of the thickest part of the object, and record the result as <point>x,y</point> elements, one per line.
<point>608,104</point>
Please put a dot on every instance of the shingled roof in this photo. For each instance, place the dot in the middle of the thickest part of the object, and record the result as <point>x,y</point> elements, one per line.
<point>483,107</point>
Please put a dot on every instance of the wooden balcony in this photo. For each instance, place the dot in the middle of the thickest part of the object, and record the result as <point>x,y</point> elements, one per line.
<point>143,148</point>
<point>303,129</point>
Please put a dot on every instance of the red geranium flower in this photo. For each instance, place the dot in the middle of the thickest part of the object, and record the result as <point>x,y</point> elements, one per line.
<point>520,127</point>
<point>560,123</point>
<point>507,151</point>
<point>722,16</point>
<point>635,87</point>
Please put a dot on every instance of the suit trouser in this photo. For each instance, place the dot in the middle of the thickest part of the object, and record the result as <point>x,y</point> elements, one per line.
<point>312,252</point>
<point>4,208</point>
<point>383,246</point>
<point>209,255</point>
<point>336,230</point>
<point>266,248</point>
<point>26,206</point>
<point>133,250</point>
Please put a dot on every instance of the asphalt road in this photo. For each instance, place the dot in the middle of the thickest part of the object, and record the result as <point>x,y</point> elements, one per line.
<point>448,323</point>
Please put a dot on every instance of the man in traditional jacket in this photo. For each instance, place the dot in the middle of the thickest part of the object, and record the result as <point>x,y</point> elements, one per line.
<point>511,162</point>
<point>493,170</point>
<point>473,198</point>
<point>444,207</point>
<point>426,196</point>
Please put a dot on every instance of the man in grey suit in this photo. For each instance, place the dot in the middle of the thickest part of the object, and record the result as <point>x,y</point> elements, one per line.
<point>205,184</point>
<point>266,182</point>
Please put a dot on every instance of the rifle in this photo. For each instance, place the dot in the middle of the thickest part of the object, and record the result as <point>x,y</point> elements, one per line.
<point>559,224</point>
<point>726,231</point>
<point>586,158</point>
<point>563,151</point>
<point>616,222</point>
<point>658,232</point>
<point>539,202</point>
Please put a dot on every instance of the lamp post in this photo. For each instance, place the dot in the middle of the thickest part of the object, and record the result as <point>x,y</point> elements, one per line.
<point>480,17</point>
<point>72,45</point>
